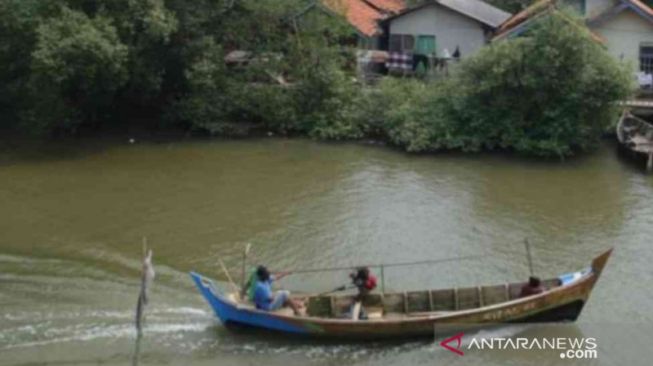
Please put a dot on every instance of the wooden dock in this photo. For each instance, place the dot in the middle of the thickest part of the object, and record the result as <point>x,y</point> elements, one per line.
<point>638,103</point>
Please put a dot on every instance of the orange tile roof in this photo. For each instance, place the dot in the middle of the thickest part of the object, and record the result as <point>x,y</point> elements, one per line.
<point>364,15</point>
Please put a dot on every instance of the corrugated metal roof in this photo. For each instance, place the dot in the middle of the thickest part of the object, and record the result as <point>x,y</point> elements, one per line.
<point>474,9</point>
<point>479,10</point>
<point>530,21</point>
<point>541,6</point>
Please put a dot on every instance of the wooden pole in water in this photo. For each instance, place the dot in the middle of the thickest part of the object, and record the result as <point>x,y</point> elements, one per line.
<point>528,256</point>
<point>244,274</point>
<point>147,276</point>
<point>243,282</point>
<point>649,165</point>
<point>137,351</point>
<point>382,280</point>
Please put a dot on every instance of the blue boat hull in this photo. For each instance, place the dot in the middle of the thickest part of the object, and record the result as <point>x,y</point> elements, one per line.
<point>229,313</point>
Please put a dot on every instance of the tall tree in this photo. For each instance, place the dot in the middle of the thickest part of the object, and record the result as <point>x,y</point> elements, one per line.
<point>77,66</point>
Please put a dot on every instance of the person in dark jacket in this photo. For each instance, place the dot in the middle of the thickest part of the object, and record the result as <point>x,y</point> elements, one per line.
<point>533,287</point>
<point>364,281</point>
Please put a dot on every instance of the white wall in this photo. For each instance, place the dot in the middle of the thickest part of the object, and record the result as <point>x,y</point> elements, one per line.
<point>595,7</point>
<point>624,33</point>
<point>451,29</point>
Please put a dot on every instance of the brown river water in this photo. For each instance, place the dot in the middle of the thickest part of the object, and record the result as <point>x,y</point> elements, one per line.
<point>72,217</point>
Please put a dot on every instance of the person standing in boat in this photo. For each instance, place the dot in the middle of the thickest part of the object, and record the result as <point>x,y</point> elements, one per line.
<point>364,281</point>
<point>265,299</point>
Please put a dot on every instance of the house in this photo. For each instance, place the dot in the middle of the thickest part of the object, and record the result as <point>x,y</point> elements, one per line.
<point>625,27</point>
<point>440,27</point>
<point>391,36</point>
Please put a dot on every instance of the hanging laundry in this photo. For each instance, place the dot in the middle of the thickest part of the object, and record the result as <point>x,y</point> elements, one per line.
<point>645,80</point>
<point>399,61</point>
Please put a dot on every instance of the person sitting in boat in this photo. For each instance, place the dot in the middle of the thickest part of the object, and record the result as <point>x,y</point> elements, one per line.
<point>265,299</point>
<point>533,287</point>
<point>364,281</point>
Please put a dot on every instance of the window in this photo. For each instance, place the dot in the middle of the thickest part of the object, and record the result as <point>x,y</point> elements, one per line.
<point>425,45</point>
<point>401,43</point>
<point>646,58</point>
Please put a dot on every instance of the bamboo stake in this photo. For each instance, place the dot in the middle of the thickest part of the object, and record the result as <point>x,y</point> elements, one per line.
<point>137,351</point>
<point>226,272</point>
<point>244,274</point>
<point>147,276</point>
<point>528,256</point>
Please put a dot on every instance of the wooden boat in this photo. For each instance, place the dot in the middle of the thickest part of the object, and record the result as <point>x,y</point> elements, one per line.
<point>416,313</point>
<point>636,135</point>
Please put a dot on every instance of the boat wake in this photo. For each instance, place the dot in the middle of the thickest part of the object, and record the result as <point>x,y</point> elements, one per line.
<point>32,329</point>
<point>53,301</point>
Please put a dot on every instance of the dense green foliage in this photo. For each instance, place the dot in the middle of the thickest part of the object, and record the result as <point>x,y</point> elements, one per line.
<point>76,63</point>
<point>71,64</point>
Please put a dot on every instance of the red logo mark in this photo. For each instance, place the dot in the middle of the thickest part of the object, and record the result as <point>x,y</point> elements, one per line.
<point>458,339</point>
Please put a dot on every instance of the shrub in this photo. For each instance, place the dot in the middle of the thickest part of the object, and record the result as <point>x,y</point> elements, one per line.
<point>326,105</point>
<point>551,92</point>
<point>393,111</point>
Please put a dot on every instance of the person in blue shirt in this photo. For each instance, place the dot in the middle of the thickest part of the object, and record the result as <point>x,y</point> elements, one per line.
<point>265,299</point>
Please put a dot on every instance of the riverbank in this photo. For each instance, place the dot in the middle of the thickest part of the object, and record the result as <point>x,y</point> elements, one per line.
<point>19,147</point>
